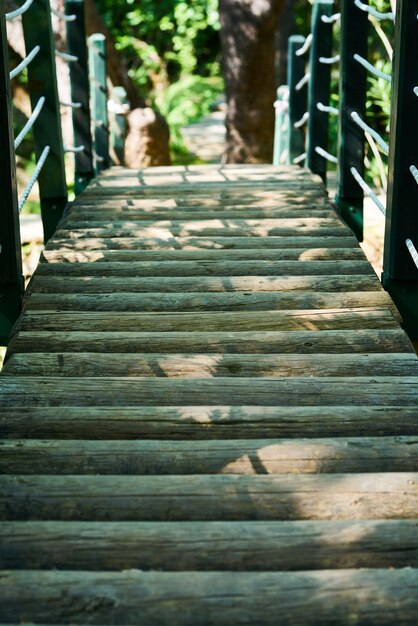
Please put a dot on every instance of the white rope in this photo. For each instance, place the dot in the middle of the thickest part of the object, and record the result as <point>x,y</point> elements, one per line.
<point>32,54</point>
<point>414,172</point>
<point>73,148</point>
<point>65,56</point>
<point>303,81</point>
<point>367,190</point>
<point>28,126</point>
<point>327,109</point>
<point>299,158</point>
<point>72,105</point>
<point>302,120</point>
<point>368,129</point>
<point>330,60</point>
<point>34,177</point>
<point>372,69</point>
<point>377,14</point>
<point>63,16</point>
<point>323,153</point>
<point>98,158</point>
<point>308,41</point>
<point>118,108</point>
<point>25,6</point>
<point>330,19</point>
<point>412,250</point>
<point>416,91</point>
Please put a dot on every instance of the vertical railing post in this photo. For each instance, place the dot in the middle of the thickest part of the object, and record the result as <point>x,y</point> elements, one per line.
<point>97,64</point>
<point>42,80</point>
<point>80,94</point>
<point>400,272</point>
<point>118,109</point>
<point>11,280</point>
<point>319,87</point>
<point>352,90</point>
<point>298,100</point>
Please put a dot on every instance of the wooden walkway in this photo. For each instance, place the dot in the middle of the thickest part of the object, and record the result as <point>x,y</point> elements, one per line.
<point>209,414</point>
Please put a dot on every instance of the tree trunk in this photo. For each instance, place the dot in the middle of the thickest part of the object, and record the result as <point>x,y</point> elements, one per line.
<point>248,36</point>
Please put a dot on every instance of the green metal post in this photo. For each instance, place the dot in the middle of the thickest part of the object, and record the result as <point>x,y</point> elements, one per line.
<point>281,126</point>
<point>80,94</point>
<point>42,79</point>
<point>11,280</point>
<point>352,88</point>
<point>97,63</point>
<point>319,87</point>
<point>118,125</point>
<point>298,100</point>
<point>400,273</point>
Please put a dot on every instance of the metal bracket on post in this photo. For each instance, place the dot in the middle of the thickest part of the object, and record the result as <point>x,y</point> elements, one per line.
<point>319,87</point>
<point>42,78</point>
<point>118,107</point>
<point>97,64</point>
<point>11,279</point>
<point>353,88</point>
<point>298,98</point>
<point>80,92</point>
<point>400,270</point>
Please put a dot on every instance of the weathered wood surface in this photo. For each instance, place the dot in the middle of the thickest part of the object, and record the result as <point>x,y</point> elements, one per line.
<point>209,382</point>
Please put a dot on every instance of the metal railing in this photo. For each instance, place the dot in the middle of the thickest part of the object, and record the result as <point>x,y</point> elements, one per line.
<point>307,121</point>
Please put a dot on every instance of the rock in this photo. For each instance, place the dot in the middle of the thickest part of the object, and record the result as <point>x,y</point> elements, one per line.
<point>147,142</point>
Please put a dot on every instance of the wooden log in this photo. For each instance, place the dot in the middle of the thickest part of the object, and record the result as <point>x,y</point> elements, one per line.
<point>209,546</point>
<point>206,284</point>
<point>82,216</point>
<point>325,319</point>
<point>210,497</point>
<point>171,268</point>
<point>208,366</point>
<point>376,597</point>
<point>217,342</point>
<point>265,456</point>
<point>29,391</point>
<point>206,422</point>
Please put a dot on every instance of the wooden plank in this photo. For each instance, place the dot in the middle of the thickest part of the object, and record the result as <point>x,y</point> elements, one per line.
<point>206,422</point>
<point>27,391</point>
<point>325,319</point>
<point>217,342</point>
<point>82,216</point>
<point>207,268</point>
<point>215,497</point>
<point>376,597</point>
<point>206,546</point>
<point>259,456</point>
<point>208,366</point>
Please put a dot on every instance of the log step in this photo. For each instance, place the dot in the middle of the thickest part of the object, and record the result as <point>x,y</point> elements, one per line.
<point>266,456</point>
<point>209,546</point>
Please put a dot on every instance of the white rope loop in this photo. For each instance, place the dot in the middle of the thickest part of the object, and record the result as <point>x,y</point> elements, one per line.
<point>73,149</point>
<point>20,11</point>
<point>327,109</point>
<point>371,68</point>
<point>303,81</point>
<point>70,58</point>
<point>28,126</point>
<point>97,157</point>
<point>330,19</point>
<point>19,68</point>
<point>330,60</point>
<point>367,190</point>
<point>299,159</point>
<point>63,16</point>
<point>72,105</point>
<point>371,11</point>
<point>302,120</point>
<point>414,172</point>
<point>308,42</point>
<point>34,176</point>
<point>368,129</point>
<point>412,251</point>
<point>416,91</point>
<point>326,155</point>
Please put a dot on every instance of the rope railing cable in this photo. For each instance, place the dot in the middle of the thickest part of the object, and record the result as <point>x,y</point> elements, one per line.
<point>73,149</point>
<point>299,158</point>
<point>34,176</point>
<point>371,68</point>
<point>367,190</point>
<point>19,68</point>
<point>416,91</point>
<point>323,153</point>
<point>374,12</point>
<point>330,19</point>
<point>303,49</point>
<point>327,109</point>
<point>330,60</point>
<point>368,129</point>
<point>302,120</point>
<point>412,251</point>
<point>20,11</point>
<point>63,16</point>
<point>71,105</point>
<point>70,58</point>
<point>414,172</point>
<point>303,81</point>
<point>28,126</point>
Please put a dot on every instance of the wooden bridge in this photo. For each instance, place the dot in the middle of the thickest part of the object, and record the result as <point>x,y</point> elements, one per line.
<point>209,412</point>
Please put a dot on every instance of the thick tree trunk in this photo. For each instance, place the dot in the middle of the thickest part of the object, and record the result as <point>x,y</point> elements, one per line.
<point>248,36</point>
